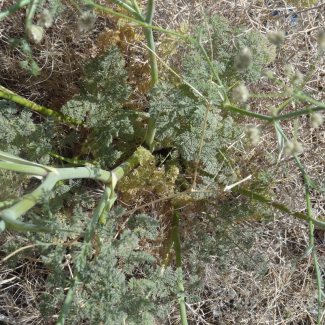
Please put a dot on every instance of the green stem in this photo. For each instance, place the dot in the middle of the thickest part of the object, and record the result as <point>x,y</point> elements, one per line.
<point>150,134</point>
<point>68,300</point>
<point>32,170</point>
<point>15,7</point>
<point>317,223</point>
<point>30,14</point>
<point>312,244</point>
<point>84,172</point>
<point>141,23</point>
<point>101,206</point>
<point>4,93</point>
<point>31,199</point>
<point>248,113</point>
<point>76,6</point>
<point>73,161</point>
<point>266,95</point>
<point>298,113</point>
<point>306,98</point>
<point>282,106</point>
<point>178,256</point>
<point>127,166</point>
<point>136,7</point>
<point>167,253</point>
<point>151,43</point>
<point>310,182</point>
<point>151,129</point>
<point>89,234</point>
<point>8,203</point>
<point>132,11</point>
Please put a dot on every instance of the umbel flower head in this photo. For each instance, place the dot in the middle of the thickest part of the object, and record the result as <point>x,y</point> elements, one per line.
<point>321,39</point>
<point>35,33</point>
<point>253,133</point>
<point>273,111</point>
<point>267,74</point>
<point>243,59</point>
<point>240,94</point>
<point>45,19</point>
<point>316,120</point>
<point>276,38</point>
<point>297,78</point>
<point>293,148</point>
<point>86,21</point>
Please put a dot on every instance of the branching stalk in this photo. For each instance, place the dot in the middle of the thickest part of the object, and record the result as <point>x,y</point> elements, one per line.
<point>317,223</point>
<point>14,8</point>
<point>5,93</point>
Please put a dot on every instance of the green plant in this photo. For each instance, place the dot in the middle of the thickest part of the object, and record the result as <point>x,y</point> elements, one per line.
<point>195,120</point>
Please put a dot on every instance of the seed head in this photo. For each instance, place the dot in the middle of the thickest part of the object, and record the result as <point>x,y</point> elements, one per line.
<point>240,94</point>
<point>268,74</point>
<point>288,70</point>
<point>316,120</point>
<point>297,78</point>
<point>86,21</point>
<point>293,148</point>
<point>253,134</point>
<point>273,111</point>
<point>288,91</point>
<point>45,19</point>
<point>243,59</point>
<point>321,39</point>
<point>35,33</point>
<point>276,38</point>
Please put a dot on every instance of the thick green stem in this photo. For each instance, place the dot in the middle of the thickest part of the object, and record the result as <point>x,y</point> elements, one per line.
<point>15,7</point>
<point>10,215</point>
<point>31,199</point>
<point>7,94</point>
<point>127,166</point>
<point>32,170</point>
<point>84,172</point>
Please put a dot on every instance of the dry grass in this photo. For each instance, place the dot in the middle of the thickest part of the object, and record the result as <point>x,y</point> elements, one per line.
<point>282,293</point>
